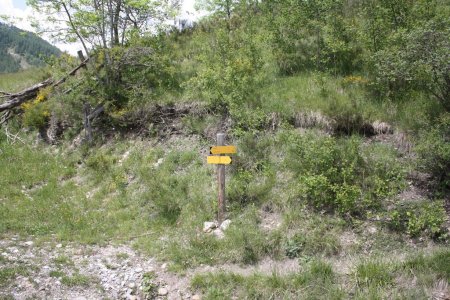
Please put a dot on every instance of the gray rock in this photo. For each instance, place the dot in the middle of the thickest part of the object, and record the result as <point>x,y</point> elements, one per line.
<point>162,291</point>
<point>225,224</point>
<point>209,226</point>
<point>219,233</point>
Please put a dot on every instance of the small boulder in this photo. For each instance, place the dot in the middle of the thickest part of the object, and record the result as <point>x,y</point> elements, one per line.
<point>225,224</point>
<point>218,233</point>
<point>162,291</point>
<point>209,226</point>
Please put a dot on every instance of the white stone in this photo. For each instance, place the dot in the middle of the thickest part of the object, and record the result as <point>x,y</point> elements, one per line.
<point>162,291</point>
<point>372,229</point>
<point>132,285</point>
<point>218,233</point>
<point>139,270</point>
<point>164,266</point>
<point>225,224</point>
<point>196,297</point>
<point>59,246</point>
<point>29,243</point>
<point>209,226</point>
<point>158,162</point>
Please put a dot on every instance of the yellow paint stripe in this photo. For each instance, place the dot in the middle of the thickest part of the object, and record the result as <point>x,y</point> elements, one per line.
<point>222,160</point>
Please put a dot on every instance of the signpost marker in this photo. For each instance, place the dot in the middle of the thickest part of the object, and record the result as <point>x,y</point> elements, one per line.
<point>221,181</point>
<point>221,160</point>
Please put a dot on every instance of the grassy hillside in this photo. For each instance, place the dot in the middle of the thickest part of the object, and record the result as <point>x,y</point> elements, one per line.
<point>21,50</point>
<point>340,185</point>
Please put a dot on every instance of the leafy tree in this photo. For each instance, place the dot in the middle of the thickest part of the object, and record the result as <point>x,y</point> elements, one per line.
<point>417,60</point>
<point>100,23</point>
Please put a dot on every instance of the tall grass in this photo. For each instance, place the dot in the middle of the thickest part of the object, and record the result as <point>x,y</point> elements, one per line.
<point>14,82</point>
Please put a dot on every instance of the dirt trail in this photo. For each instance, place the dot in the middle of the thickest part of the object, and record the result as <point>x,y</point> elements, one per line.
<point>71,271</point>
<point>56,271</point>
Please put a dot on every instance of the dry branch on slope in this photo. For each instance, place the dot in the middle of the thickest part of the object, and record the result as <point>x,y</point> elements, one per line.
<point>30,93</point>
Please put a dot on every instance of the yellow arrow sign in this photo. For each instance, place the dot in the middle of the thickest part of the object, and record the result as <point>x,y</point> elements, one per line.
<point>221,160</point>
<point>222,149</point>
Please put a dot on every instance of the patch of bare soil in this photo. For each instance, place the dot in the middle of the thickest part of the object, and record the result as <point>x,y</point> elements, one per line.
<point>56,271</point>
<point>70,271</point>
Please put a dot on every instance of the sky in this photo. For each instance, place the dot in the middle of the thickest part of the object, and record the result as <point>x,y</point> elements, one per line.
<point>22,14</point>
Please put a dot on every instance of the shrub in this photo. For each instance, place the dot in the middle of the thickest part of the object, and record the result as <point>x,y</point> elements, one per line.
<point>253,175</point>
<point>434,150</point>
<point>341,174</point>
<point>37,112</point>
<point>420,219</point>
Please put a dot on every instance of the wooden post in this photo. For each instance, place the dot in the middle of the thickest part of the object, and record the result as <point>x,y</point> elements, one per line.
<point>221,182</point>
<point>87,122</point>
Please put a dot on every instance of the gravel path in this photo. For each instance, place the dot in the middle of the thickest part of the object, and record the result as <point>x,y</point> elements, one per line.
<point>57,271</point>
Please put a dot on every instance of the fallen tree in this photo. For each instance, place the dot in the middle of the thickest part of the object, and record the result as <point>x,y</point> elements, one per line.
<point>16,99</point>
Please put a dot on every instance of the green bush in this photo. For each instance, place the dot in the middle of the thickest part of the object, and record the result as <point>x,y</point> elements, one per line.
<point>336,174</point>
<point>434,150</point>
<point>229,77</point>
<point>36,115</point>
<point>418,219</point>
<point>252,171</point>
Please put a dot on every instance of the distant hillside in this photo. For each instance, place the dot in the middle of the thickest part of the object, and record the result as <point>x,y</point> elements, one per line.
<point>20,49</point>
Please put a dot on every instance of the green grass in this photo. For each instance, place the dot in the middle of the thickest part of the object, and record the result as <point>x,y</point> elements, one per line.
<point>7,274</point>
<point>373,274</point>
<point>77,280</point>
<point>63,260</point>
<point>318,92</point>
<point>437,263</point>
<point>14,82</point>
<point>56,274</point>
<point>338,98</point>
<point>315,282</point>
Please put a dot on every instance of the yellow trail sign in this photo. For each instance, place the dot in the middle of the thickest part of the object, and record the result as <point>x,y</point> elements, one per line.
<point>222,149</point>
<point>221,160</point>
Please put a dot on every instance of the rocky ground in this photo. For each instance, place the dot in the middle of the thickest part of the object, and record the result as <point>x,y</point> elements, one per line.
<point>57,271</point>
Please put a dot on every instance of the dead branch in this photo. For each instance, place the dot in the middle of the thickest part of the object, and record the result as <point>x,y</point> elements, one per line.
<point>25,95</point>
<point>12,138</point>
<point>5,117</point>
<point>31,92</point>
